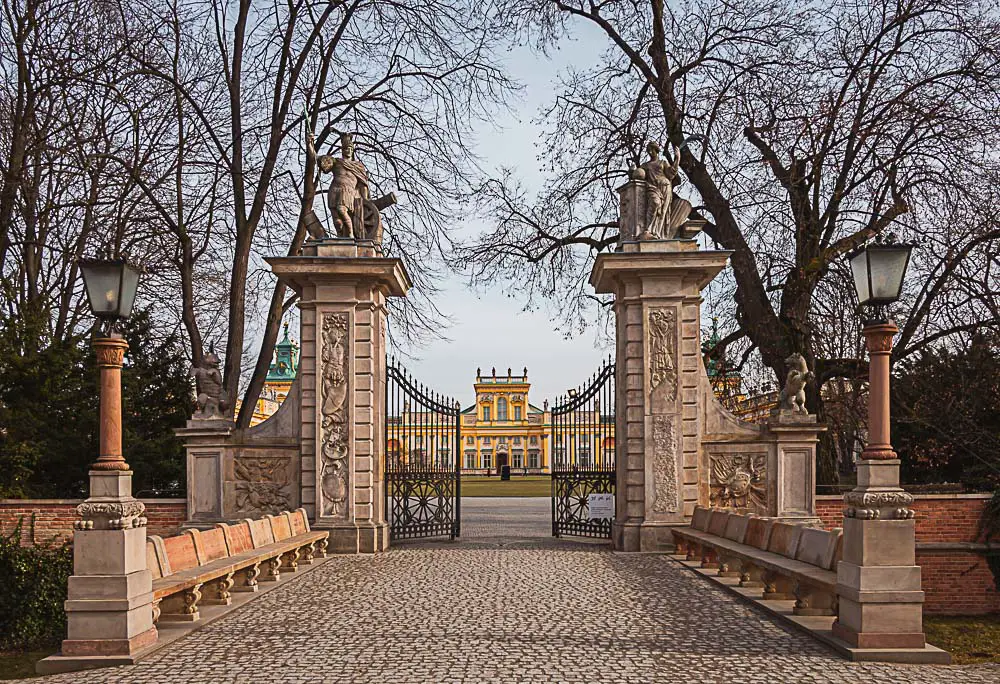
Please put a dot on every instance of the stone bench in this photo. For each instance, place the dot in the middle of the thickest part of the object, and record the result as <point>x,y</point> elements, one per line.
<point>226,558</point>
<point>788,561</point>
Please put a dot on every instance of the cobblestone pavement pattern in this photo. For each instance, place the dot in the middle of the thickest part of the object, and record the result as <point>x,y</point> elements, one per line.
<point>506,604</point>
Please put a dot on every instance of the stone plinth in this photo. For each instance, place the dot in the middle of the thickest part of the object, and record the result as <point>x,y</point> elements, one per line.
<point>205,443</point>
<point>343,287</point>
<point>109,610</point>
<point>792,477</point>
<point>659,413</point>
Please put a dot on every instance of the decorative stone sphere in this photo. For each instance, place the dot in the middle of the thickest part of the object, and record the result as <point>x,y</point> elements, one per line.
<point>637,173</point>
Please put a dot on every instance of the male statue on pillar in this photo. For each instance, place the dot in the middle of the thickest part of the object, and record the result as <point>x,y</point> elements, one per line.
<point>355,215</point>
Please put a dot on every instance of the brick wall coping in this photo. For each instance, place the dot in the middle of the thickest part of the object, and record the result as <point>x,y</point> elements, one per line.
<point>918,497</point>
<point>56,502</point>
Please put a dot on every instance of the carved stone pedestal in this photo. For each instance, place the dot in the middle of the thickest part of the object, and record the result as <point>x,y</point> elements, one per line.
<point>343,288</point>
<point>878,581</point>
<point>659,412</point>
<point>205,442</point>
<point>109,606</point>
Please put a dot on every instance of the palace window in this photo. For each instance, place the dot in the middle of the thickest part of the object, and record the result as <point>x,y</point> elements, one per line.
<point>532,459</point>
<point>517,413</point>
<point>501,440</point>
<point>486,413</point>
<point>470,440</point>
<point>501,409</point>
<point>470,459</point>
<point>487,459</point>
<point>517,441</point>
<point>486,441</point>
<point>534,440</point>
<point>518,459</point>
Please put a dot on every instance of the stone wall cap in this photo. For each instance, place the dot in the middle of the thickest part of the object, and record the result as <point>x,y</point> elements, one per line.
<point>918,496</point>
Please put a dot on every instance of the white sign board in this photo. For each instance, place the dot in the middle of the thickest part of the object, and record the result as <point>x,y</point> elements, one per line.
<point>601,505</point>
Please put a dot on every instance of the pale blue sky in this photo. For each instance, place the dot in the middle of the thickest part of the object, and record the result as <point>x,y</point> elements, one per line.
<point>489,328</point>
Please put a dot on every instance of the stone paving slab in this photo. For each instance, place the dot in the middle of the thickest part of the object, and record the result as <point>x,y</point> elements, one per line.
<point>496,607</point>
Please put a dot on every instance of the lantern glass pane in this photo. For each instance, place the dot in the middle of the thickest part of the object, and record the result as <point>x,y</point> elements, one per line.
<point>859,269</point>
<point>888,265</point>
<point>103,283</point>
<point>130,284</point>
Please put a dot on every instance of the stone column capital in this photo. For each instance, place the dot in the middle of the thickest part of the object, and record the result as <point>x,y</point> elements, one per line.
<point>878,337</point>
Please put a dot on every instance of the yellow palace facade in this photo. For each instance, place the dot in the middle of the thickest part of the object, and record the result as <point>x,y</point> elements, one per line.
<point>502,427</point>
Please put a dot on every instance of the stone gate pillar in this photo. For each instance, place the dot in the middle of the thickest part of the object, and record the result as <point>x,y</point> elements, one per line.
<point>657,287</point>
<point>342,287</point>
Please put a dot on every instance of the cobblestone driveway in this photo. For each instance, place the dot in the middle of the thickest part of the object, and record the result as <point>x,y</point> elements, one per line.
<point>506,604</point>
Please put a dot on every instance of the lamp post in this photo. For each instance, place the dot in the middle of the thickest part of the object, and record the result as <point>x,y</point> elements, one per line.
<point>109,611</point>
<point>878,581</point>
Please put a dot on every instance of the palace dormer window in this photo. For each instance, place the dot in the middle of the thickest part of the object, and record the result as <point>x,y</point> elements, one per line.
<point>486,413</point>
<point>501,409</point>
<point>517,413</point>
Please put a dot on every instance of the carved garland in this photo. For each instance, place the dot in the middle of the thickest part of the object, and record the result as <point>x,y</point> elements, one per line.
<point>110,515</point>
<point>870,505</point>
<point>664,465</point>
<point>334,450</point>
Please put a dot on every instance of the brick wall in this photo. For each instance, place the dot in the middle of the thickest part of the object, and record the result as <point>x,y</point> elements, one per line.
<point>955,581</point>
<point>51,520</point>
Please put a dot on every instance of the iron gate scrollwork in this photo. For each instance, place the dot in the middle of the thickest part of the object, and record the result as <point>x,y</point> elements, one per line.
<point>422,466</point>
<point>583,455</point>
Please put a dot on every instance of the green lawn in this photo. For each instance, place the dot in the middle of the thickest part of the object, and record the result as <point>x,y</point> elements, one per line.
<point>969,639</point>
<point>18,665</point>
<point>518,485</point>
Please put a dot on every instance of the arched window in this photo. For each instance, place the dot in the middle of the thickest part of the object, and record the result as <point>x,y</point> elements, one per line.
<point>501,409</point>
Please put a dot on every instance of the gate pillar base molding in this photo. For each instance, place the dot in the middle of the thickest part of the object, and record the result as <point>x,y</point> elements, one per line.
<point>358,538</point>
<point>343,288</point>
<point>661,473</point>
<point>643,536</point>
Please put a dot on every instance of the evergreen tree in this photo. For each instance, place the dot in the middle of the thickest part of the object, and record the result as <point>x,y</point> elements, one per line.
<point>946,415</point>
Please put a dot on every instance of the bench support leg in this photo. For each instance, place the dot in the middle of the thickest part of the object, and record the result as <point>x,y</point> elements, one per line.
<point>728,567</point>
<point>218,594</point>
<point>750,575</point>
<point>249,579</point>
<point>307,554</point>
<point>708,558</point>
<point>273,570</point>
<point>694,552</point>
<point>811,600</point>
<point>182,607</point>
<point>681,544</point>
<point>778,587</point>
<point>321,548</point>
<point>290,560</point>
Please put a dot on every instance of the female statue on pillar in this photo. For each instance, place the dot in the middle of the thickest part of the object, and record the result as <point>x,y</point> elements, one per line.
<point>350,183</point>
<point>660,176</point>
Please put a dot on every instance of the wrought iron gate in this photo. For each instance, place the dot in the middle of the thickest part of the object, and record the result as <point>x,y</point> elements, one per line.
<point>583,455</point>
<point>422,467</point>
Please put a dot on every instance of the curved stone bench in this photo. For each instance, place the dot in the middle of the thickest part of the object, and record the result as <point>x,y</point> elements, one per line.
<point>788,561</point>
<point>202,567</point>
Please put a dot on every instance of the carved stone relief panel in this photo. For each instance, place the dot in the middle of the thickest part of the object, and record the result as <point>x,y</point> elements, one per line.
<point>739,481</point>
<point>662,345</point>
<point>334,468</point>
<point>262,484</point>
<point>664,465</point>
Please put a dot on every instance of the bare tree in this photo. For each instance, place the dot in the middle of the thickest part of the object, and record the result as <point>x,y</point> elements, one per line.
<point>826,125</point>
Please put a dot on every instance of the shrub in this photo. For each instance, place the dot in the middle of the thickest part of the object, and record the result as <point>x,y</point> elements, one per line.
<point>34,582</point>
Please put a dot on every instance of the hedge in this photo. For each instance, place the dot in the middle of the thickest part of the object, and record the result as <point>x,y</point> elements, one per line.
<point>33,581</point>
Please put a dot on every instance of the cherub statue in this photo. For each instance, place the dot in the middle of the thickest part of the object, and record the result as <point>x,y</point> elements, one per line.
<point>793,395</point>
<point>355,214</point>
<point>213,401</point>
<point>661,176</point>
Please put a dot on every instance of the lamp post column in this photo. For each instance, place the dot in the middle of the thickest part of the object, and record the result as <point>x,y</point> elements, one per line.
<point>109,611</point>
<point>110,358</point>
<point>878,581</point>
